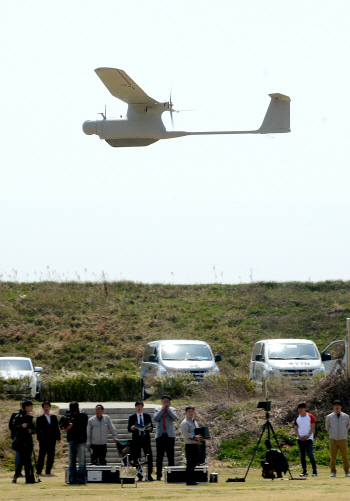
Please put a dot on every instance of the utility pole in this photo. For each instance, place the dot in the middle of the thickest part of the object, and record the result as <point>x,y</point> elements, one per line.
<point>348,347</point>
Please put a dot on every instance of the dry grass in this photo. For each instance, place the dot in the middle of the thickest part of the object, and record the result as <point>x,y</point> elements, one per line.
<point>254,488</point>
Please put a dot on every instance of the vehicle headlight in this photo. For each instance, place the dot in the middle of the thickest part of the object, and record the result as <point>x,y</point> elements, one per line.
<point>270,371</point>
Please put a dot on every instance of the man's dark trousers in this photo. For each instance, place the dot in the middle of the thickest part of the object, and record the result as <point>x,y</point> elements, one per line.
<point>25,460</point>
<point>143,443</point>
<point>192,455</point>
<point>98,454</point>
<point>165,444</point>
<point>306,447</point>
<point>46,447</point>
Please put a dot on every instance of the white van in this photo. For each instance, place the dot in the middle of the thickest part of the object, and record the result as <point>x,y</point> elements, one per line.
<point>19,368</point>
<point>162,357</point>
<point>298,359</point>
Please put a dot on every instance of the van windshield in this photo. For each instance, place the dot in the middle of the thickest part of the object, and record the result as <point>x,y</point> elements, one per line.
<point>14,365</point>
<point>296,351</point>
<point>185,352</point>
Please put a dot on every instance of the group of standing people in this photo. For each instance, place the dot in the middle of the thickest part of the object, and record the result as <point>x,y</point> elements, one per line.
<point>90,435</point>
<point>337,425</point>
<point>165,417</point>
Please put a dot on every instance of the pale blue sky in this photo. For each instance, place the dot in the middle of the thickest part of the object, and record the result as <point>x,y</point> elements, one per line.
<point>173,211</point>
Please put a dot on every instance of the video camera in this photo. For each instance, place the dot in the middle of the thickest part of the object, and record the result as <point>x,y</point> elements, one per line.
<point>66,419</point>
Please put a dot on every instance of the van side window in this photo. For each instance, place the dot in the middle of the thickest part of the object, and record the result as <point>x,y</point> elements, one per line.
<point>262,350</point>
<point>256,350</point>
<point>149,350</point>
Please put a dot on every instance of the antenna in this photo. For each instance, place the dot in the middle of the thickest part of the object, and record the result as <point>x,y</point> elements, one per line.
<point>104,114</point>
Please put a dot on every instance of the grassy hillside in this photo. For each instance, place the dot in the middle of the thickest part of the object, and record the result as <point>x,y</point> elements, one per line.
<point>104,327</point>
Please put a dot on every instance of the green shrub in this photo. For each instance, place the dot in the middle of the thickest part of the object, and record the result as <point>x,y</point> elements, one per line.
<point>67,386</point>
<point>17,388</point>
<point>177,384</point>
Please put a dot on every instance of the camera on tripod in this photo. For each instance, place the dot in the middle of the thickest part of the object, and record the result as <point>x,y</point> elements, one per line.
<point>265,404</point>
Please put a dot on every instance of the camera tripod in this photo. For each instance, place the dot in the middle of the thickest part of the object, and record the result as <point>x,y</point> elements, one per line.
<point>267,426</point>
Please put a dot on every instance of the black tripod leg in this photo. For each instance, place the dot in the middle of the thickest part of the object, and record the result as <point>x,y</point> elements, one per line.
<point>256,448</point>
<point>279,447</point>
<point>36,466</point>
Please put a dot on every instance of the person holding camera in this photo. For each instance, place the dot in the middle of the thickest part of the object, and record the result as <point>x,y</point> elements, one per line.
<point>75,424</point>
<point>48,433</point>
<point>13,433</point>
<point>192,440</point>
<point>24,426</point>
<point>165,416</point>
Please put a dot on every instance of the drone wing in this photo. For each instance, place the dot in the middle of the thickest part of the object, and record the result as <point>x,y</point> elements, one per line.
<point>120,85</point>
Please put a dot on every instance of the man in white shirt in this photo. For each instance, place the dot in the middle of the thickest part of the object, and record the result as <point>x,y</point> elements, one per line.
<point>304,427</point>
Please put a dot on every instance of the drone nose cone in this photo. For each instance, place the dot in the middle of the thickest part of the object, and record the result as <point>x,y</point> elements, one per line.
<point>89,127</point>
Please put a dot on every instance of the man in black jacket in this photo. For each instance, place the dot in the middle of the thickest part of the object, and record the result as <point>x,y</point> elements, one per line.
<point>24,426</point>
<point>75,424</point>
<point>141,438</point>
<point>13,433</point>
<point>47,432</point>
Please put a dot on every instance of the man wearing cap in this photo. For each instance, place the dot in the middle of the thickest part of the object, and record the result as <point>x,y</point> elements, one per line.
<point>165,416</point>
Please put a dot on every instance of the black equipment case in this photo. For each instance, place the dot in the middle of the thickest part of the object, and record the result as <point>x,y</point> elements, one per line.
<point>99,474</point>
<point>177,474</point>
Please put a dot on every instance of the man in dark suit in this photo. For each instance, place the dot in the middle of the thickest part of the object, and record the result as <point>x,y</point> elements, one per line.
<point>141,438</point>
<point>47,432</point>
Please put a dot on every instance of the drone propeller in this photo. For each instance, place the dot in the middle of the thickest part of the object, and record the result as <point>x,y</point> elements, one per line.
<point>171,110</point>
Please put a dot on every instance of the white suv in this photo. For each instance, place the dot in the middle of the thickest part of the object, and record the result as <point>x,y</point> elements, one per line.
<point>18,368</point>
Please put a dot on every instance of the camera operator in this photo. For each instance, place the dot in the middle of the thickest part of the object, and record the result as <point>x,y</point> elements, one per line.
<point>75,424</point>
<point>13,433</point>
<point>192,440</point>
<point>24,426</point>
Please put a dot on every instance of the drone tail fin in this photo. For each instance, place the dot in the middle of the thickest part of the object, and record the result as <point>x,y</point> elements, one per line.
<point>277,118</point>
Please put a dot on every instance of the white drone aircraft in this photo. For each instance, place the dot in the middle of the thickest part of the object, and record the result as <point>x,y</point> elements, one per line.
<point>143,123</point>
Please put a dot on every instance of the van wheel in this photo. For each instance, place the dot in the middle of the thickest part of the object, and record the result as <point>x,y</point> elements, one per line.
<point>144,394</point>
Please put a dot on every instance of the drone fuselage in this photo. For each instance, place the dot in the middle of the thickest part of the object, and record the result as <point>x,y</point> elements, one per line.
<point>140,122</point>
